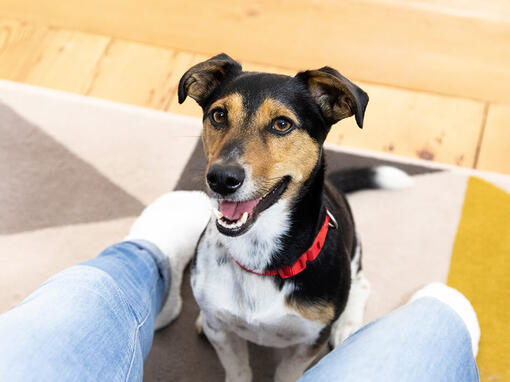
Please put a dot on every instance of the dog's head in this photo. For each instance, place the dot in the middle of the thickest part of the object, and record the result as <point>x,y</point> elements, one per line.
<point>263,133</point>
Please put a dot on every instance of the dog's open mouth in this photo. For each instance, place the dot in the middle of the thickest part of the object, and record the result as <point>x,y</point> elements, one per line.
<point>235,217</point>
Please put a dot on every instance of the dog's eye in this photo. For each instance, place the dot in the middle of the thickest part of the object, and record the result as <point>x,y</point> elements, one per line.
<point>281,125</point>
<point>218,116</point>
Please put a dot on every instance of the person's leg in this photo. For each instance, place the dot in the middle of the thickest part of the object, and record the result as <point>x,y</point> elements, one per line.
<point>95,321</point>
<point>425,340</point>
<point>91,322</point>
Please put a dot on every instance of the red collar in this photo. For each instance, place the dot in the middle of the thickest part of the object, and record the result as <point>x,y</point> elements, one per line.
<point>309,256</point>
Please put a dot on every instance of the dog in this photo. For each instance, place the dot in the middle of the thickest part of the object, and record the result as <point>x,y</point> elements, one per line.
<point>279,263</point>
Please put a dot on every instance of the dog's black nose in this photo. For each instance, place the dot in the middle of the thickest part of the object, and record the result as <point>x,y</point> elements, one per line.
<point>225,178</point>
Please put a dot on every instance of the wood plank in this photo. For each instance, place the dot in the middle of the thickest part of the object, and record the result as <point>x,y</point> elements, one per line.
<point>454,49</point>
<point>135,73</point>
<point>67,61</point>
<point>488,10</point>
<point>495,145</point>
<point>62,60</point>
<point>251,67</point>
<point>399,121</point>
<point>415,124</point>
<point>20,45</point>
<point>189,107</point>
<point>183,62</point>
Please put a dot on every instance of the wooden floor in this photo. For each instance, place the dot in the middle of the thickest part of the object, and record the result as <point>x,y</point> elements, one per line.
<point>417,121</point>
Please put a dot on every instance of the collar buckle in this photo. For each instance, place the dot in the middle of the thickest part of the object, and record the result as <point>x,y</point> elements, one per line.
<point>332,222</point>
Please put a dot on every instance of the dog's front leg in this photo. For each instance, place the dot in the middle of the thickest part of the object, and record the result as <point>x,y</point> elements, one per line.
<point>295,360</point>
<point>232,351</point>
<point>351,318</point>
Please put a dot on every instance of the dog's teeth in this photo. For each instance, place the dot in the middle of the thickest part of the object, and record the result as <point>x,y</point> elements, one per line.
<point>218,214</point>
<point>236,224</point>
<point>227,225</point>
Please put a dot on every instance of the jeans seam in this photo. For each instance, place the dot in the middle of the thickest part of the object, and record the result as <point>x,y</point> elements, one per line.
<point>117,289</point>
<point>161,260</point>
<point>124,300</point>
<point>140,324</point>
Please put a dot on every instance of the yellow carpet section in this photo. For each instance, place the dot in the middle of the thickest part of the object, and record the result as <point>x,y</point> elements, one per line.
<point>480,268</point>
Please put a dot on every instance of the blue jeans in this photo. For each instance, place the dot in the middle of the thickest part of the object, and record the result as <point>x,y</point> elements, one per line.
<point>422,341</point>
<point>95,322</point>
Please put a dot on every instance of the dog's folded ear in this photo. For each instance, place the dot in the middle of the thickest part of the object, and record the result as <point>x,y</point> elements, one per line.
<point>202,79</point>
<point>337,97</point>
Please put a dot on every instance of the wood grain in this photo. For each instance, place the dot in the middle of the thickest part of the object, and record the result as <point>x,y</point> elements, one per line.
<point>495,145</point>
<point>67,60</point>
<point>404,122</point>
<point>134,73</point>
<point>20,47</point>
<point>414,124</point>
<point>456,47</point>
<point>62,60</point>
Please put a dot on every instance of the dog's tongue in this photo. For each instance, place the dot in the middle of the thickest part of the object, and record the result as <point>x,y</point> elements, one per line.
<point>234,210</point>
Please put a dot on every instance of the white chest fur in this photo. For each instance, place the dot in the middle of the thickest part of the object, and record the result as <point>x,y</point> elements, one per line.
<point>250,305</point>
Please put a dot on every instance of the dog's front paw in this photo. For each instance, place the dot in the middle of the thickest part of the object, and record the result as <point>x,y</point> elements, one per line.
<point>340,333</point>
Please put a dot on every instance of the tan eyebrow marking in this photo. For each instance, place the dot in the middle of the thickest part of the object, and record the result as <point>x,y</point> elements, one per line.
<point>233,103</point>
<point>214,139</point>
<point>271,108</point>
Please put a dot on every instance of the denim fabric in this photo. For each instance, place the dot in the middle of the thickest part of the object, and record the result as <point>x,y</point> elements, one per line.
<point>419,342</point>
<point>91,322</point>
<point>95,322</point>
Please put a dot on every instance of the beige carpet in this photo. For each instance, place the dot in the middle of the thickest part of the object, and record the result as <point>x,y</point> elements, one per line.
<point>76,171</point>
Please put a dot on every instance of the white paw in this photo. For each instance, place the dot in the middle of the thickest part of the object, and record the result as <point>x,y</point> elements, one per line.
<point>340,331</point>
